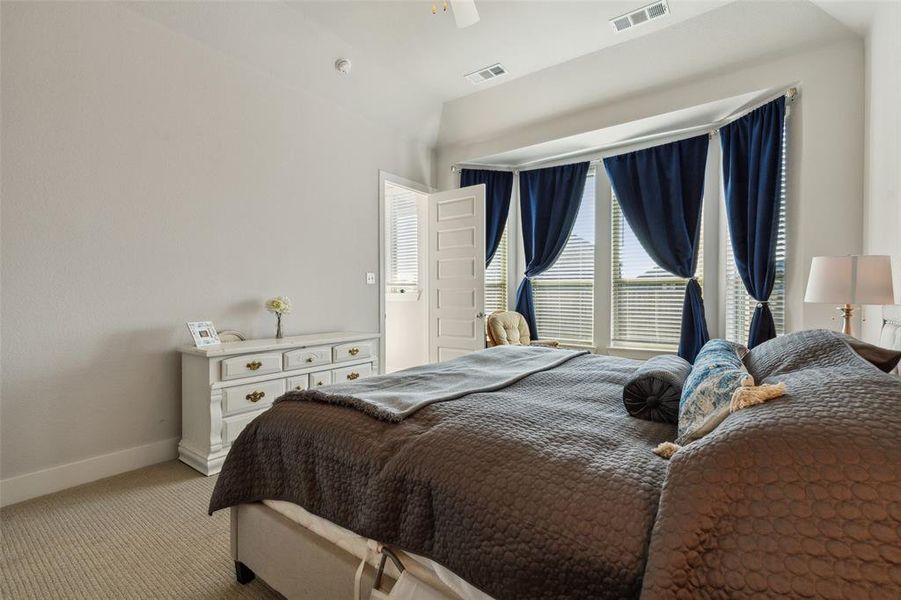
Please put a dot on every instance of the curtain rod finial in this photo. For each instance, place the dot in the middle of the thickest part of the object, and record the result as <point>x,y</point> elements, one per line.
<point>791,94</point>
<point>453,168</point>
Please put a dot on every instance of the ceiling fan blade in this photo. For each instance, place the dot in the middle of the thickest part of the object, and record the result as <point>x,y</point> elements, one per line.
<point>465,13</point>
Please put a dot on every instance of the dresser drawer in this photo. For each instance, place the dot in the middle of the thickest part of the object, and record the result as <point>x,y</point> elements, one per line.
<point>353,351</point>
<point>308,357</point>
<point>298,383</point>
<point>320,378</point>
<point>352,373</point>
<point>232,426</point>
<point>251,364</point>
<point>247,397</point>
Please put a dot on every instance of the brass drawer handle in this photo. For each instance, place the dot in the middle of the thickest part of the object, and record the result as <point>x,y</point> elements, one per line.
<point>311,358</point>
<point>255,396</point>
<point>318,383</point>
<point>254,365</point>
<point>353,351</point>
<point>298,388</point>
<point>353,375</point>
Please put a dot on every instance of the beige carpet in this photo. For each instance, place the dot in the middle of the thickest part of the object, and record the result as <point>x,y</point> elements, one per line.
<point>143,534</point>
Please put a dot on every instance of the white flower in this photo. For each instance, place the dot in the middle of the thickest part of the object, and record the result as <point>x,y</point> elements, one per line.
<point>280,305</point>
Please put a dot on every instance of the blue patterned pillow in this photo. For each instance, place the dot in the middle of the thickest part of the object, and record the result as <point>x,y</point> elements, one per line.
<point>718,371</point>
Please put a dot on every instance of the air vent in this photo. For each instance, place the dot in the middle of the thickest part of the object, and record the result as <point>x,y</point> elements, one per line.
<point>621,23</point>
<point>486,73</point>
<point>640,16</point>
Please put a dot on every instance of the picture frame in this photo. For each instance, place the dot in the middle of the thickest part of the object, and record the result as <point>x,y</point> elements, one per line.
<point>204,333</point>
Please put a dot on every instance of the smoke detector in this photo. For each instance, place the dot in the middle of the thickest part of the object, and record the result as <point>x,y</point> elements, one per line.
<point>643,15</point>
<point>486,73</point>
<point>342,65</point>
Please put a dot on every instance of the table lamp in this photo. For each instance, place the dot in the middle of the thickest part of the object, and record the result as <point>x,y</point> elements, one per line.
<point>850,280</point>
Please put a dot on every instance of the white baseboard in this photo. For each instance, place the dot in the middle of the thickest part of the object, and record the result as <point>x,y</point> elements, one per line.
<point>23,487</point>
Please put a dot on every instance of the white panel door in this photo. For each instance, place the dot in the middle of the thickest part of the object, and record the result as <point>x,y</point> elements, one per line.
<point>456,224</point>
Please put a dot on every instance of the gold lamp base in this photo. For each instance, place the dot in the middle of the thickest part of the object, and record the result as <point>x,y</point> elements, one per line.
<point>847,312</point>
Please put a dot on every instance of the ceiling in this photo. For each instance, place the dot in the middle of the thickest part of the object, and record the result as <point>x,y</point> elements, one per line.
<point>855,14</point>
<point>684,122</point>
<point>408,64</point>
<point>716,42</point>
<point>523,36</point>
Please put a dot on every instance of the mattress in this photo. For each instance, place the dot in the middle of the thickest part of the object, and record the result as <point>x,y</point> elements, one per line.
<point>368,550</point>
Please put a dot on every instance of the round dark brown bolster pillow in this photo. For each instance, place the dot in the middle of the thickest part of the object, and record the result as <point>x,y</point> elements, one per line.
<point>652,392</point>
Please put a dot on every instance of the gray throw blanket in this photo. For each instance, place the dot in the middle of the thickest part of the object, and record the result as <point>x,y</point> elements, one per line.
<point>396,396</point>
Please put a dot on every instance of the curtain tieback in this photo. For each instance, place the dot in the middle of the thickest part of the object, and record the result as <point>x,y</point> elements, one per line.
<point>762,303</point>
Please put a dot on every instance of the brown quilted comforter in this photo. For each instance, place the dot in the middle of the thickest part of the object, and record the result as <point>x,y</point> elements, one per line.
<point>548,489</point>
<point>544,489</point>
<point>796,498</point>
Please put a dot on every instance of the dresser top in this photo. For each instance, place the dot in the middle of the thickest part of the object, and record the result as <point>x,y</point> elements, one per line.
<point>286,343</point>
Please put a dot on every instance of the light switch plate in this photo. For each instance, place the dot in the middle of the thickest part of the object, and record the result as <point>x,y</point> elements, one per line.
<point>370,278</point>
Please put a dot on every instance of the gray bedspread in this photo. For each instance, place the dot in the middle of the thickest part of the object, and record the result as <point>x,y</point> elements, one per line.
<point>396,396</point>
<point>543,489</point>
<point>796,498</point>
<point>548,489</point>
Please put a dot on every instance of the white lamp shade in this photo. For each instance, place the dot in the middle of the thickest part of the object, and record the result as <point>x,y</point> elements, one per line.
<point>850,280</point>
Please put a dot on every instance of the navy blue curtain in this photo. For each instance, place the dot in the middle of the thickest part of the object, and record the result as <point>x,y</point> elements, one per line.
<point>752,162</point>
<point>498,189</point>
<point>549,201</point>
<point>660,191</point>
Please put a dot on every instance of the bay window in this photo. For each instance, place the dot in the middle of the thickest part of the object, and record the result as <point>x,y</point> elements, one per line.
<point>564,294</point>
<point>646,300</point>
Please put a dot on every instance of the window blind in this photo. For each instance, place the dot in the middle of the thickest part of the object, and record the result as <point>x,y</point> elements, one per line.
<point>647,300</point>
<point>564,294</point>
<point>403,223</point>
<point>496,278</point>
<point>739,305</point>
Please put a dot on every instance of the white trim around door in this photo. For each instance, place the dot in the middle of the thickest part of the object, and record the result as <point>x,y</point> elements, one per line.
<point>385,177</point>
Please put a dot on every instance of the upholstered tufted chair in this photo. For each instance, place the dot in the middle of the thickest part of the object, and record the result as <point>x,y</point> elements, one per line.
<point>506,327</point>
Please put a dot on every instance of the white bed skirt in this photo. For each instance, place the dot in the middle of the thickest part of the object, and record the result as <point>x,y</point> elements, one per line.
<point>413,584</point>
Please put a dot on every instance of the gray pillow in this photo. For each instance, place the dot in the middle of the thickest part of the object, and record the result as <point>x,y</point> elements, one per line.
<point>795,351</point>
<point>652,392</point>
<point>783,354</point>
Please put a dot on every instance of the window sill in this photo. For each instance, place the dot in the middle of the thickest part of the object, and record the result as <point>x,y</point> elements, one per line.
<point>636,351</point>
<point>573,346</point>
<point>403,293</point>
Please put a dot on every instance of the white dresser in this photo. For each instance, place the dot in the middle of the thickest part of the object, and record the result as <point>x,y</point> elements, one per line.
<point>224,387</point>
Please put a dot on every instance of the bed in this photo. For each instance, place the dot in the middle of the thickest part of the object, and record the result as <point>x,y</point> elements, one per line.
<point>546,488</point>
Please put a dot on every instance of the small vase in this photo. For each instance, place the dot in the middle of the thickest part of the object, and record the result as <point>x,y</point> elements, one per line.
<point>278,326</point>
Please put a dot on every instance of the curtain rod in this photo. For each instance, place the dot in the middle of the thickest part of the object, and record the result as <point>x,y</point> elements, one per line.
<point>790,93</point>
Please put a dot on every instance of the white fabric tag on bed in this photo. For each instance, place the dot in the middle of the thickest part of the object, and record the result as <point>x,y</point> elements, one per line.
<point>410,588</point>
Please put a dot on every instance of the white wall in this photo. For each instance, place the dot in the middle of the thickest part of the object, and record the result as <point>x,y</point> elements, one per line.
<point>825,211</point>
<point>882,207</point>
<point>148,180</point>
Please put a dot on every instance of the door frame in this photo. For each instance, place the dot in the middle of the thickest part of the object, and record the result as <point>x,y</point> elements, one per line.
<point>386,177</point>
